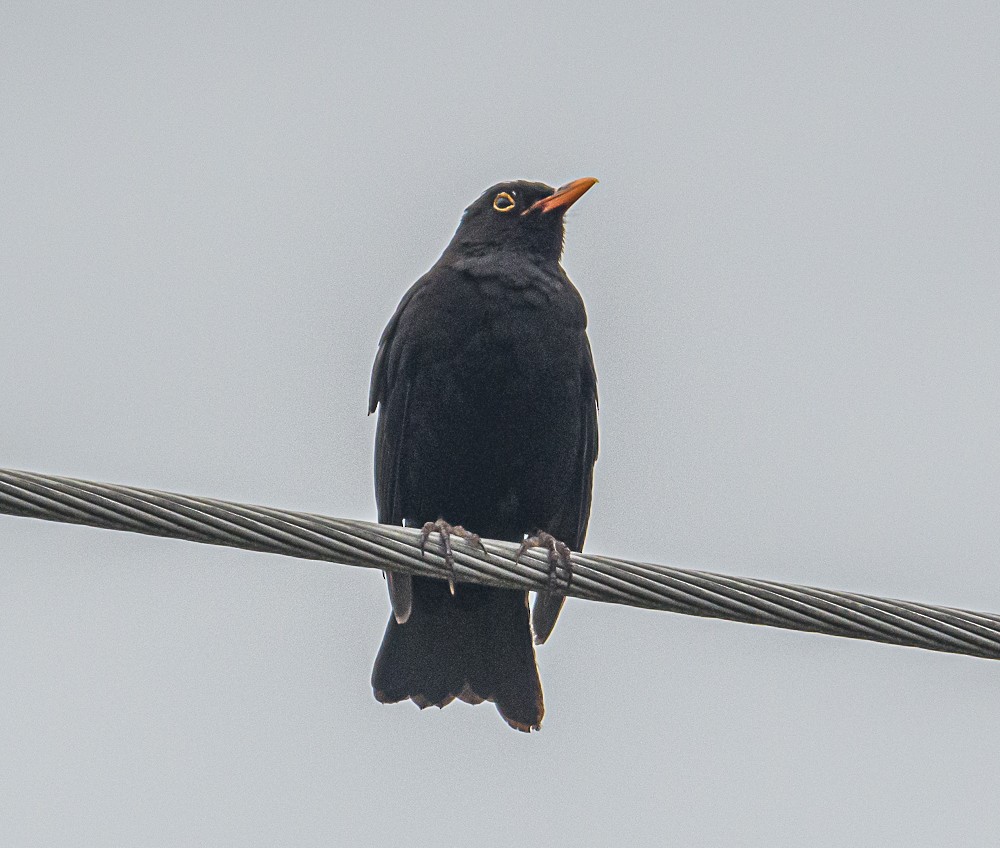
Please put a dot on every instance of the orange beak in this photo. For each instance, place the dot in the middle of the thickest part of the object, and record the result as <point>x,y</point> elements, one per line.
<point>563,197</point>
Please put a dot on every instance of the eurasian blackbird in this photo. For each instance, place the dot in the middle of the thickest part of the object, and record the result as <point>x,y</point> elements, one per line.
<point>487,399</point>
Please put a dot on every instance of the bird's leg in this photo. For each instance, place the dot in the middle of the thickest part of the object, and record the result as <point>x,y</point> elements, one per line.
<point>558,556</point>
<point>445,531</point>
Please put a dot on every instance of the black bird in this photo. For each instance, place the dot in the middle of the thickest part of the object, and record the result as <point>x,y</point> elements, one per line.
<point>487,399</point>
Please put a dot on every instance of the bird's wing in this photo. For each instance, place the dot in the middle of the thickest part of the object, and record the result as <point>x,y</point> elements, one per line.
<point>391,392</point>
<point>547,607</point>
<point>587,455</point>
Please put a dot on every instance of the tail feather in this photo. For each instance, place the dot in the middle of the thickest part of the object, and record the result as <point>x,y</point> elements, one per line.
<point>475,646</point>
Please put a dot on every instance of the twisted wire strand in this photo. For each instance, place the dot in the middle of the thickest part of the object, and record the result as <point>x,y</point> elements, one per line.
<point>595,578</point>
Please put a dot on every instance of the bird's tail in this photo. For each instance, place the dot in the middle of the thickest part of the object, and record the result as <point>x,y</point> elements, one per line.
<point>474,646</point>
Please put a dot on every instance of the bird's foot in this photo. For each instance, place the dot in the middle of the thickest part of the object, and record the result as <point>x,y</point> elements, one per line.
<point>445,531</point>
<point>558,556</point>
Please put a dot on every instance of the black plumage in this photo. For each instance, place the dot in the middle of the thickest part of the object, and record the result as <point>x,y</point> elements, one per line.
<point>487,400</point>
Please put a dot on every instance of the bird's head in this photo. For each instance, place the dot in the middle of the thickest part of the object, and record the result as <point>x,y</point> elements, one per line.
<point>522,216</point>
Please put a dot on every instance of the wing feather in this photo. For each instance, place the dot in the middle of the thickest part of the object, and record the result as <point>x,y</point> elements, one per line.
<point>546,609</point>
<point>391,397</point>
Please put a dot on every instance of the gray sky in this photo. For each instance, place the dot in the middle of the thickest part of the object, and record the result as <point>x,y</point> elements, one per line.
<point>791,267</point>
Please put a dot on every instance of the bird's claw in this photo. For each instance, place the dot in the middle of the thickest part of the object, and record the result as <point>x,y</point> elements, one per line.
<point>445,531</point>
<point>559,555</point>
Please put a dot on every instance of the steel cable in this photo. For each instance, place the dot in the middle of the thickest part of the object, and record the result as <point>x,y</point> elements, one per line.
<point>595,578</point>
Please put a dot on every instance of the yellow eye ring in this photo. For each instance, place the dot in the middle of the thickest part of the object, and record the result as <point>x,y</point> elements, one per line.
<point>503,202</point>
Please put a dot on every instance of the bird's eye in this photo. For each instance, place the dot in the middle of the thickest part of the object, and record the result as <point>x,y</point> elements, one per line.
<point>503,202</point>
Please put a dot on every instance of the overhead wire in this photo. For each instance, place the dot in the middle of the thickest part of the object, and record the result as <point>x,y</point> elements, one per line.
<point>594,578</point>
